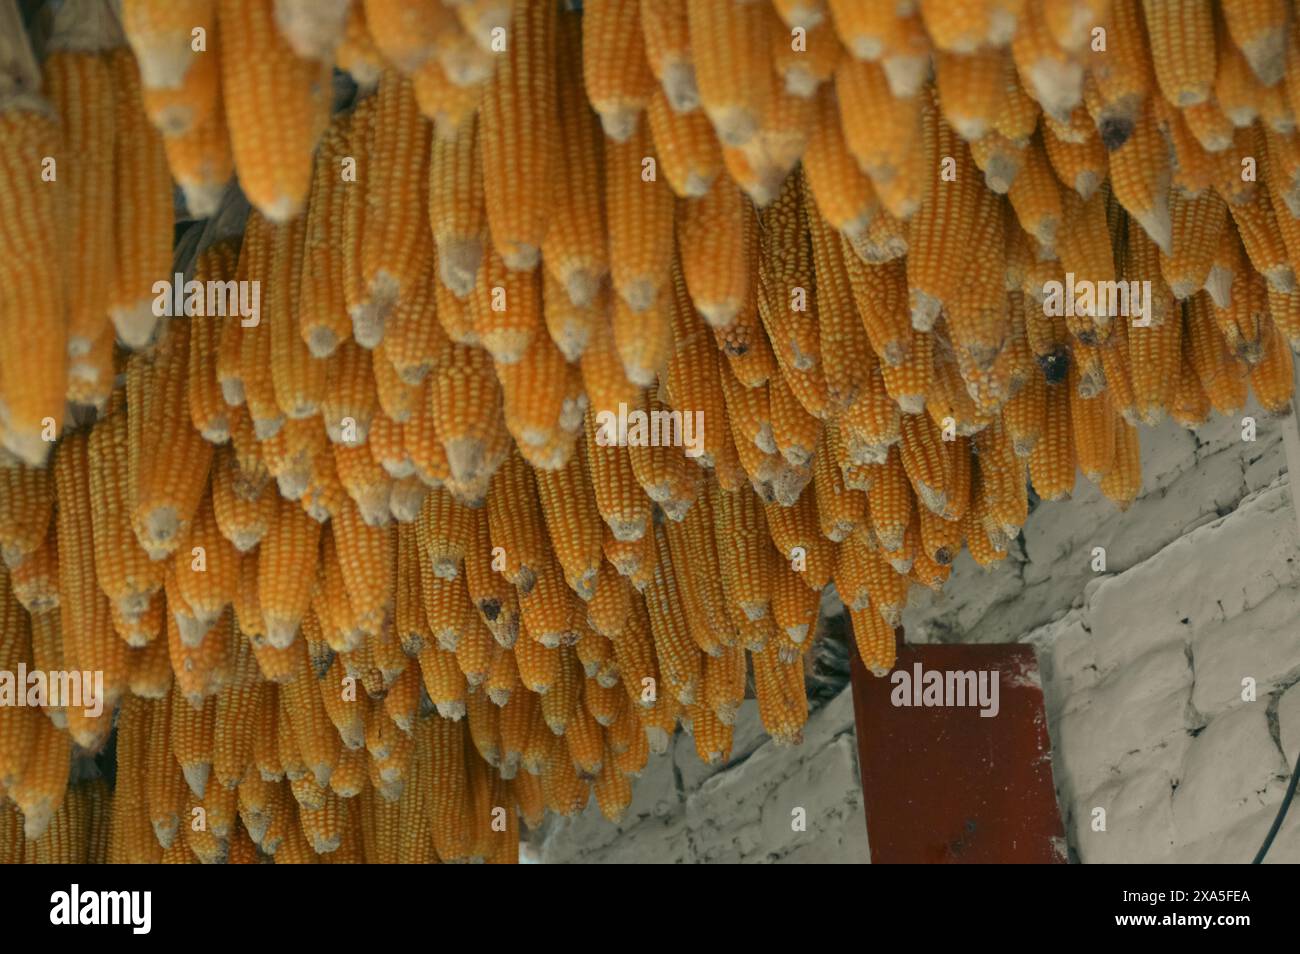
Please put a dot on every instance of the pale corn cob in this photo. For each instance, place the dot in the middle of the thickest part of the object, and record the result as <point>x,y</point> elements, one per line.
<point>574,251</point>
<point>201,162</point>
<point>1258,227</point>
<point>149,666</point>
<point>366,482</point>
<point>978,321</point>
<point>1122,74</point>
<point>945,205</point>
<point>744,553</point>
<point>666,33</point>
<point>466,54</point>
<point>573,522</point>
<point>518,139</point>
<point>729,46</point>
<point>1271,379</point>
<point>1050,74</point>
<point>237,706</point>
<point>312,29</point>
<point>893,37</point>
<point>85,613</point>
<point>538,664</point>
<point>1190,405</point>
<point>711,243</point>
<point>465,401</point>
<point>1237,91</point>
<point>407,33</point>
<point>639,211</point>
<point>206,568</point>
<point>277,105</point>
<point>1124,481</point>
<point>548,609</point>
<point>456,212</point>
<point>43,784</point>
<point>1259,31</point>
<point>496,600</point>
<point>208,411</point>
<point>179,80</point>
<point>26,504</point>
<point>1182,49</point>
<point>844,194</point>
<point>883,132</point>
<point>1052,460</point>
<point>1081,166</point>
<point>783,707</point>
<point>1036,198</point>
<point>543,404</point>
<point>694,550</point>
<point>256,263</point>
<point>357,53</point>
<point>777,148</point>
<point>662,469</point>
<point>785,298</point>
<point>622,505</point>
<point>517,526</point>
<point>365,554</point>
<point>608,609</point>
<point>1000,159</point>
<point>17,723</point>
<point>1221,372</point>
<point>693,385</point>
<point>970,88</point>
<point>284,582</point>
<point>165,786</point>
<point>615,71</point>
<point>443,681</point>
<point>447,608</point>
<point>79,81</point>
<point>1139,175</point>
<point>397,244</point>
<point>475,651</point>
<point>444,532</point>
<point>503,677</point>
<point>35,581</point>
<point>143,186</point>
<point>677,654</point>
<point>298,378</point>
<point>33,317</point>
<point>414,340</point>
<point>202,669</point>
<point>1196,223</point>
<point>963,27</point>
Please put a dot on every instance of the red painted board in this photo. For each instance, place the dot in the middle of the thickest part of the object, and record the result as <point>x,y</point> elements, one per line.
<point>945,785</point>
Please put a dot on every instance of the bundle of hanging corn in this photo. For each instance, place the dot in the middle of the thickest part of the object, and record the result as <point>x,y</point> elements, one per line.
<point>369,565</point>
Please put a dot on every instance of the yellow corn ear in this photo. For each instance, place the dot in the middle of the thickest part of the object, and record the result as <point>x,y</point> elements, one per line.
<point>277,105</point>
<point>615,70</point>
<point>519,141</point>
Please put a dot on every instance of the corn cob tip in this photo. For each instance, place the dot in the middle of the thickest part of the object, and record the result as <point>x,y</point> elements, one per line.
<point>202,199</point>
<point>657,738</point>
<point>196,776</point>
<point>458,264</point>
<point>455,711</point>
<point>28,448</point>
<point>314,28</point>
<point>522,257</point>
<point>37,818</point>
<point>322,341</point>
<point>619,124</point>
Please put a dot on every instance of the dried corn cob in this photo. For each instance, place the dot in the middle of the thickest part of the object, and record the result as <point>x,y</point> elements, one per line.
<point>518,140</point>
<point>277,104</point>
